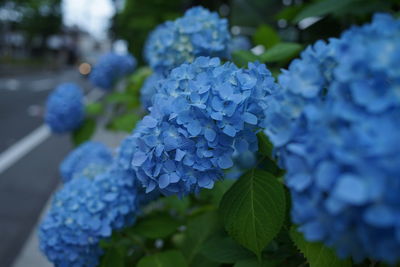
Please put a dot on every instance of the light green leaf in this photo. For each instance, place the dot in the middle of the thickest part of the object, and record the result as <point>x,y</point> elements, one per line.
<point>316,253</point>
<point>94,109</point>
<point>199,228</point>
<point>118,97</point>
<point>156,226</point>
<point>253,210</point>
<point>321,8</point>
<point>224,249</point>
<point>242,57</point>
<point>125,122</point>
<point>266,36</point>
<point>170,258</point>
<point>281,52</point>
<point>84,132</point>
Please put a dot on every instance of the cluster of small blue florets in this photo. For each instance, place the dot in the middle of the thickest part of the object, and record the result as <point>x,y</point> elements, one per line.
<point>336,128</point>
<point>65,110</point>
<point>88,160</point>
<point>84,212</point>
<point>202,113</point>
<point>198,33</point>
<point>149,89</point>
<point>110,68</point>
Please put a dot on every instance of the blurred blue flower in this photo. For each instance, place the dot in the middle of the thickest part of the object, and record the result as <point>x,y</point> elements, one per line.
<point>335,125</point>
<point>198,33</point>
<point>149,89</point>
<point>85,211</point>
<point>201,114</point>
<point>110,68</point>
<point>65,110</point>
<point>88,160</point>
<point>240,42</point>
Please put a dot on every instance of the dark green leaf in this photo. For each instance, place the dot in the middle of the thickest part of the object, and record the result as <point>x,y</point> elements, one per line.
<point>264,145</point>
<point>224,249</point>
<point>177,204</point>
<point>316,253</point>
<point>84,132</point>
<point>156,226</point>
<point>198,231</point>
<point>321,8</point>
<point>289,12</point>
<point>125,122</point>
<point>266,36</point>
<point>170,258</point>
<point>113,257</point>
<point>281,52</point>
<point>253,210</point>
<point>94,109</point>
<point>242,57</point>
<point>254,262</point>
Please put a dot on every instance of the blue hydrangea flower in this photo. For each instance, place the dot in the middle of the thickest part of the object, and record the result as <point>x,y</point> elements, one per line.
<point>198,33</point>
<point>335,125</point>
<point>84,212</point>
<point>149,89</point>
<point>202,113</point>
<point>240,42</point>
<point>65,110</point>
<point>110,68</point>
<point>89,159</point>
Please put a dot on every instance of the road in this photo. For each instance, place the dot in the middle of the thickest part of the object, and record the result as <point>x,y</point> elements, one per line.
<point>26,185</point>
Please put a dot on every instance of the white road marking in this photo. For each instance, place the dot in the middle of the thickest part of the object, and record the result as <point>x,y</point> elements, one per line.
<point>23,147</point>
<point>17,151</point>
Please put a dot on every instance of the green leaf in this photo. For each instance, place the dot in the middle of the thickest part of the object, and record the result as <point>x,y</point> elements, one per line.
<point>94,109</point>
<point>266,35</point>
<point>199,228</point>
<point>254,262</point>
<point>253,210</point>
<point>118,97</point>
<point>170,258</point>
<point>224,249</point>
<point>156,226</point>
<point>113,257</point>
<point>242,57</point>
<point>281,52</point>
<point>265,147</point>
<point>316,253</point>
<point>177,204</point>
<point>84,132</point>
<point>125,122</point>
<point>289,13</point>
<point>321,8</point>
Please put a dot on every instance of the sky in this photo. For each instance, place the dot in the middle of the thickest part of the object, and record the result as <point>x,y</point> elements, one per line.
<point>90,15</point>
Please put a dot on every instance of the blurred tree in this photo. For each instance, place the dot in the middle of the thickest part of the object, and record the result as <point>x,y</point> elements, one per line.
<point>37,19</point>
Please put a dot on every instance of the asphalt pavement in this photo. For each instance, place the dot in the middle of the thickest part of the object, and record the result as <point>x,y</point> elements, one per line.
<point>27,184</point>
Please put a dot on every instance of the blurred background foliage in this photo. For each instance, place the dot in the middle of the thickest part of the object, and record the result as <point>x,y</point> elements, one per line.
<point>268,22</point>
<point>36,19</point>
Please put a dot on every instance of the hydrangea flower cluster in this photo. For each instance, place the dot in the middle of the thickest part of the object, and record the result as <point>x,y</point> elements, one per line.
<point>88,160</point>
<point>149,89</point>
<point>240,42</point>
<point>110,68</point>
<point>202,113</point>
<point>84,212</point>
<point>198,33</point>
<point>335,126</point>
<point>65,110</point>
